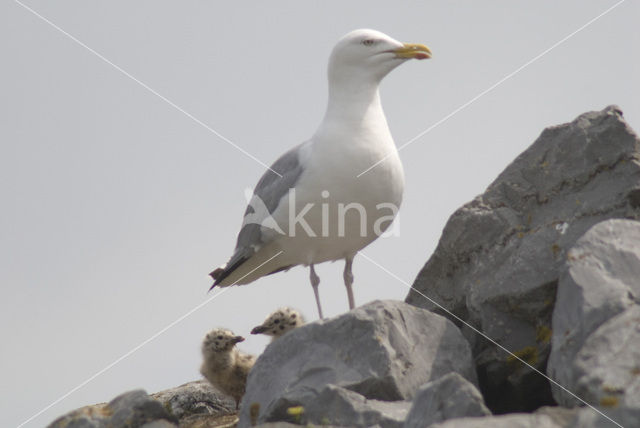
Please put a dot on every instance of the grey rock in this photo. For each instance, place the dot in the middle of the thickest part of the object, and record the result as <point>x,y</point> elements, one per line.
<point>606,418</point>
<point>131,410</point>
<point>94,416</point>
<point>281,425</point>
<point>289,425</point>
<point>135,408</point>
<point>384,350</point>
<point>277,425</point>
<point>449,397</point>
<point>545,417</point>
<point>606,370</point>
<point>600,281</point>
<point>338,406</point>
<point>194,401</point>
<point>159,424</point>
<point>499,259</point>
<point>561,416</point>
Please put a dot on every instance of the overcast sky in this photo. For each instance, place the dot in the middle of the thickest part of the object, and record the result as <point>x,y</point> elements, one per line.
<point>116,205</point>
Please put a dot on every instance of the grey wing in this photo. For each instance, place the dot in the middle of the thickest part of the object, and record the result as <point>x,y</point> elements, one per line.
<point>269,191</point>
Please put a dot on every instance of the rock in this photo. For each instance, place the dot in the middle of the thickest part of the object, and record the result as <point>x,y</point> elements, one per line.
<point>449,397</point>
<point>194,401</point>
<point>136,408</point>
<point>499,259</point>
<point>545,417</point>
<point>278,425</point>
<point>192,405</point>
<point>158,424</point>
<point>601,280</point>
<point>606,370</point>
<point>613,418</point>
<point>94,416</point>
<point>288,425</point>
<point>384,350</point>
<point>338,406</point>
<point>131,409</point>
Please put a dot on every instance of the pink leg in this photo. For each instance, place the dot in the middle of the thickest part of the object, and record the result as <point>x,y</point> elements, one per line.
<point>348,280</point>
<point>315,281</point>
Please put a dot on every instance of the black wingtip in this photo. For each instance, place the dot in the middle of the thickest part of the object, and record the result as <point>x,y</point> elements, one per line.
<point>221,273</point>
<point>216,274</point>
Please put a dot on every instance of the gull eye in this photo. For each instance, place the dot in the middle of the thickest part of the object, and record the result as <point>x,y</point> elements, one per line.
<point>368,42</point>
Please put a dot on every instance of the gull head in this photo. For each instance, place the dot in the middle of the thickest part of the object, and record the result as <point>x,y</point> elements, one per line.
<point>369,55</point>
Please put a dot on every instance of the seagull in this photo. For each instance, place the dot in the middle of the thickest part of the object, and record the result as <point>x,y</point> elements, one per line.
<point>331,196</point>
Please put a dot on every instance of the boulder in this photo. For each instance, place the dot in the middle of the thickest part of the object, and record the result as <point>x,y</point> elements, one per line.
<point>384,350</point>
<point>92,416</point>
<point>500,256</point>
<point>161,423</point>
<point>612,418</point>
<point>605,371</point>
<point>131,409</point>
<point>192,405</point>
<point>197,402</point>
<point>449,397</point>
<point>289,425</point>
<point>545,417</point>
<point>340,407</point>
<point>601,280</point>
<point>136,408</point>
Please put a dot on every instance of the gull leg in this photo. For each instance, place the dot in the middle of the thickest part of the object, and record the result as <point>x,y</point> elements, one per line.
<point>348,280</point>
<point>315,281</point>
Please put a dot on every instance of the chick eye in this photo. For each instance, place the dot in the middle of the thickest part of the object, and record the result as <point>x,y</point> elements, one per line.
<point>368,42</point>
<point>219,337</point>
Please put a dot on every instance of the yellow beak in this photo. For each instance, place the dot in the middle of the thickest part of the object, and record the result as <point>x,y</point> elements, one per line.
<point>413,50</point>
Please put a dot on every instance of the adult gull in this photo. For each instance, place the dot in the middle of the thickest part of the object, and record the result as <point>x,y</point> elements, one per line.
<point>313,205</point>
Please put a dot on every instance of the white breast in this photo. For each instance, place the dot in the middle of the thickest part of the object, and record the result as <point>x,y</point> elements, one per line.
<point>338,212</point>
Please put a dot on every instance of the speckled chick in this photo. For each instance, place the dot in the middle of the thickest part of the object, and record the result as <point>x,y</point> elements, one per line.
<point>224,366</point>
<point>279,322</point>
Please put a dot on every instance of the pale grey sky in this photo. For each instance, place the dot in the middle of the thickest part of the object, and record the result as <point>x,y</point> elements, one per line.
<point>115,205</point>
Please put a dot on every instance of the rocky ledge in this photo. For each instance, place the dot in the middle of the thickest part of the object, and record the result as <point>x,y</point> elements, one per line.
<point>521,264</point>
<point>527,314</point>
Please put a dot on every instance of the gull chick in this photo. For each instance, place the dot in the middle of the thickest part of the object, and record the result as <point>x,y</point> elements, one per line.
<point>334,194</point>
<point>224,366</point>
<point>279,322</point>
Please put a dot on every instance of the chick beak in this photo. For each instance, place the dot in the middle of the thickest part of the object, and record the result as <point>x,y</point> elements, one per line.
<point>238,339</point>
<point>259,329</point>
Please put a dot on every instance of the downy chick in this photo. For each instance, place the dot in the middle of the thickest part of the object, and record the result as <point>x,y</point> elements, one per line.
<point>224,366</point>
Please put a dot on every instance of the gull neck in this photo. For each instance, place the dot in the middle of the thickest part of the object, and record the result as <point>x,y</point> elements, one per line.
<point>354,104</point>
